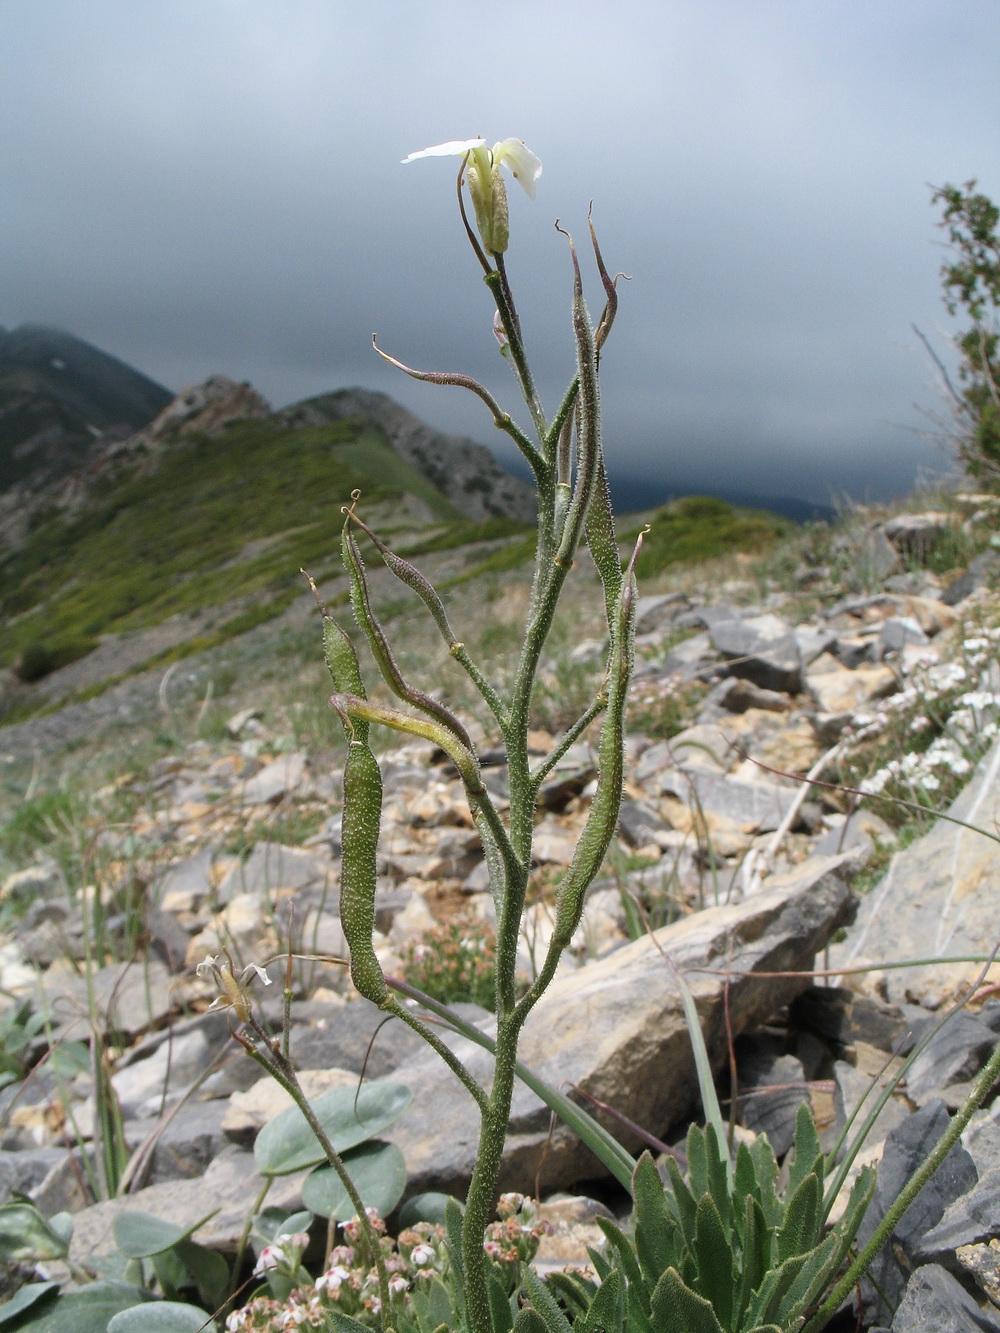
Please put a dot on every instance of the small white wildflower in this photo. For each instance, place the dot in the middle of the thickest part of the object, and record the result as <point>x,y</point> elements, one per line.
<point>421,1255</point>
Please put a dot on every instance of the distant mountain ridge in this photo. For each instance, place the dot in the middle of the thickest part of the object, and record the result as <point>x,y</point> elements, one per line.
<point>60,399</point>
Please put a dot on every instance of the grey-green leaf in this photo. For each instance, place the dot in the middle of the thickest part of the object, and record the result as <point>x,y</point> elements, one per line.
<point>26,1235</point>
<point>23,1299</point>
<point>88,1310</point>
<point>378,1171</point>
<point>162,1317</point>
<point>141,1235</point>
<point>287,1143</point>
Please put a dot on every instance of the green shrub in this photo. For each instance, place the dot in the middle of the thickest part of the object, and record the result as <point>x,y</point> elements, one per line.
<point>700,527</point>
<point>454,962</point>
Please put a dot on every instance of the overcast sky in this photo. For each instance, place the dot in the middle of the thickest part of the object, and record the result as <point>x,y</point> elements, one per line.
<point>203,186</point>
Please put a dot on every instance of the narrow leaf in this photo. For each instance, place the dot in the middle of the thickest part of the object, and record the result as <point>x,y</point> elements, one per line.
<point>717,1276</point>
<point>801,1228</point>
<point>544,1302</point>
<point>654,1228</point>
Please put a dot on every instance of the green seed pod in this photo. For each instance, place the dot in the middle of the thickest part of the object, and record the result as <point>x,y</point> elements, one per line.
<point>361,820</point>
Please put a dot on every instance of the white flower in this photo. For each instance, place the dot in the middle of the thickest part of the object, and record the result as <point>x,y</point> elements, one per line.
<point>421,1254</point>
<point>489,194</point>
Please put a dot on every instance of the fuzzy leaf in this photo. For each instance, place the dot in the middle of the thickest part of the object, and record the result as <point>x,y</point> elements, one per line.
<point>544,1302</point>
<point>717,1276</point>
<point>287,1144</point>
<point>800,1230</point>
<point>675,1308</point>
<point>607,1310</point>
<point>655,1230</point>
<point>378,1171</point>
<point>162,1317</point>
<point>808,1156</point>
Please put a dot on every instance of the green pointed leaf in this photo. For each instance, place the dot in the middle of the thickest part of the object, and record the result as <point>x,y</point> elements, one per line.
<point>810,1282</point>
<point>88,1310</point>
<point>627,1260</point>
<point>675,1308</point>
<point>607,1310</point>
<point>808,1155</point>
<point>800,1231</point>
<point>745,1175</point>
<point>33,1293</point>
<point>433,1305</point>
<point>697,1157</point>
<point>770,1297</point>
<point>574,1290</point>
<point>719,1176</point>
<point>655,1229</point>
<point>343,1323</point>
<point>766,1174</point>
<point>717,1276</point>
<point>162,1317</point>
<point>502,1315</point>
<point>685,1206</point>
<point>348,1116</point>
<point>544,1302</point>
<point>756,1256</point>
<point>528,1321</point>
<point>378,1171</point>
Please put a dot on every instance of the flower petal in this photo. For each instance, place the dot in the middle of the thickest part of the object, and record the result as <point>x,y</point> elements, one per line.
<point>521,162</point>
<point>454,147</point>
<point>262,974</point>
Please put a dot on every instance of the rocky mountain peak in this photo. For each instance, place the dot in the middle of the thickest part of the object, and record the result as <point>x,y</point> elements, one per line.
<point>208,408</point>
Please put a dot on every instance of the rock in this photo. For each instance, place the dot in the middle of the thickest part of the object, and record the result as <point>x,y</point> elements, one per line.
<point>916,535</point>
<point>953,1055</point>
<point>762,650</point>
<point>271,867</point>
<point>344,1038</point>
<point>276,780</point>
<point>243,722</point>
<point>207,408</point>
<point>899,632</point>
<point>127,997</point>
<point>856,834</point>
<point>186,884</point>
<point>981,572</point>
<point>639,825</point>
<point>905,1150</point>
<point>754,806</point>
<point>853,1088</point>
<point>189,1143</point>
<point>142,1087</point>
<point>248,1112</point>
<point>983,1263</point>
<point>573,1229</point>
<point>843,1016</point>
<point>229,1185</point>
<point>771,1086</point>
<point>876,556</point>
<point>839,690</point>
<point>652,613</point>
<point>971,1219</point>
<point>616,1029</point>
<point>24,1171</point>
<point>936,1302</point>
<point>938,898</point>
<point>44,880</point>
<point>855,652</point>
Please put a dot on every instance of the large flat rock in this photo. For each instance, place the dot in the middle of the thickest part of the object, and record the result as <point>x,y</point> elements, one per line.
<point>938,899</point>
<point>616,1029</point>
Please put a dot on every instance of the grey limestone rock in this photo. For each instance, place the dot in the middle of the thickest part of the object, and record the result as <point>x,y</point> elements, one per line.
<point>936,1302</point>
<point>906,1148</point>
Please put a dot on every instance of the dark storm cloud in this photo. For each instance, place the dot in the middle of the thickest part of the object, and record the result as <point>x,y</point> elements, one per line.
<point>214,185</point>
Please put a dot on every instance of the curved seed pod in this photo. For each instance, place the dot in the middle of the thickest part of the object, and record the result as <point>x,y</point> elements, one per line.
<point>361,821</point>
<point>603,817</point>
<point>351,707</point>
<point>588,408</point>
<point>409,574</point>
<point>379,645</point>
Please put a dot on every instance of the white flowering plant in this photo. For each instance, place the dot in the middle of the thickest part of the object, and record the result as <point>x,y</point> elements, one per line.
<point>921,744</point>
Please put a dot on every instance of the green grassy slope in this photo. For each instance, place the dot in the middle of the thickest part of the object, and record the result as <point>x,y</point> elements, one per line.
<point>225,521</point>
